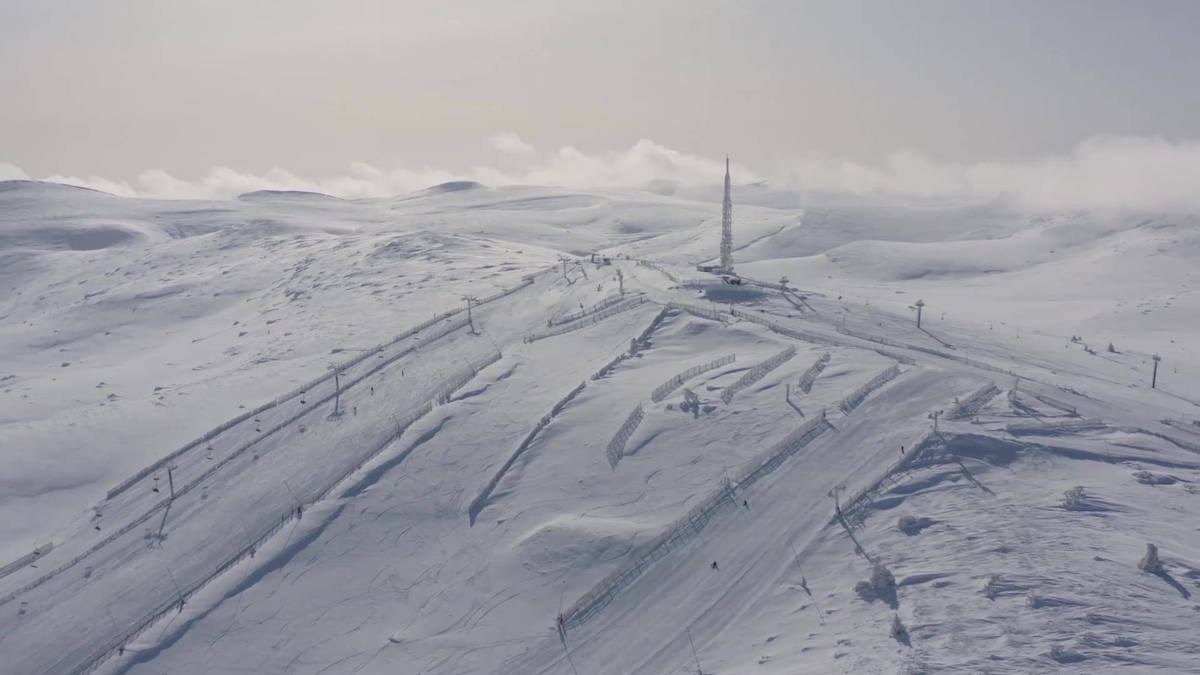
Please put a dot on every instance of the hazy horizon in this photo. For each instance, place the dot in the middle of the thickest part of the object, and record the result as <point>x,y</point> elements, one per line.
<point>362,98</point>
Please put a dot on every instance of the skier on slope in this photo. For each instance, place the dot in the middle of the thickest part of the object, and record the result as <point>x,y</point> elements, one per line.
<point>714,565</point>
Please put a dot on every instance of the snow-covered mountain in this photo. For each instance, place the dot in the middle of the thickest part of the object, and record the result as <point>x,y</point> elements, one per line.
<point>264,435</point>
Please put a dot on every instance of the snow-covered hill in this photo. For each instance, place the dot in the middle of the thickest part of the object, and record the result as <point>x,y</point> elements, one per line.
<point>263,435</point>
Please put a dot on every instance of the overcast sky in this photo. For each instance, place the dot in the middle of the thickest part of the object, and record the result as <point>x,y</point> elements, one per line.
<point>119,87</point>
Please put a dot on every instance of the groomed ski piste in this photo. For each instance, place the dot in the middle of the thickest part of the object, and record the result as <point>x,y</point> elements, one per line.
<point>607,468</point>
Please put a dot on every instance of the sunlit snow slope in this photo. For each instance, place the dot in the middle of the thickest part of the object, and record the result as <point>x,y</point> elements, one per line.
<point>265,435</point>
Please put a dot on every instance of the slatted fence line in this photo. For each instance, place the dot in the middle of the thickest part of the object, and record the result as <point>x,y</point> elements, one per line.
<point>473,369</point>
<point>658,268</point>
<point>185,488</point>
<point>616,446</point>
<point>689,525</point>
<point>642,340</point>
<point>1055,403</point>
<point>777,327</point>
<point>765,284</point>
<point>587,320</point>
<point>697,310</point>
<point>31,557</point>
<point>607,368</point>
<point>575,316</point>
<point>481,500</point>
<point>852,507</point>
<point>303,388</point>
<point>682,530</point>
<point>256,542</point>
<point>975,402</point>
<point>856,397</point>
<point>757,373</point>
<point>151,511</point>
<point>663,390</point>
<point>781,451</point>
<point>926,350</point>
<point>819,339</point>
<point>810,375</point>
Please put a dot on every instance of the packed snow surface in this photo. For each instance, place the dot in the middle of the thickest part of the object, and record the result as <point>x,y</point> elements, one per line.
<point>266,435</point>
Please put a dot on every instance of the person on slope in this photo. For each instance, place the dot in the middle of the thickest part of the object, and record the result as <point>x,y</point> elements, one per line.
<point>714,565</point>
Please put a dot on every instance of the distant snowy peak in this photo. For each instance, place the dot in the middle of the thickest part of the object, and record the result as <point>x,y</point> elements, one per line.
<point>291,195</point>
<point>454,186</point>
<point>44,216</point>
<point>44,187</point>
<point>448,188</point>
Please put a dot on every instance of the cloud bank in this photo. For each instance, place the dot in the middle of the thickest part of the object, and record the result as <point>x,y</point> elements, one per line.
<point>510,143</point>
<point>568,167</point>
<point>11,172</point>
<point>1103,173</point>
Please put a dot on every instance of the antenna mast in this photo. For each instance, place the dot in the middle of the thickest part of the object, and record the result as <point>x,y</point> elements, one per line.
<point>727,226</point>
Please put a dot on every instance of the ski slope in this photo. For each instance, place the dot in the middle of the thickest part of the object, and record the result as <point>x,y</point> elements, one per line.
<point>451,501</point>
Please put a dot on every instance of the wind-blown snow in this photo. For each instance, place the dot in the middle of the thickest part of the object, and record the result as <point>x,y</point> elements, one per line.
<point>461,496</point>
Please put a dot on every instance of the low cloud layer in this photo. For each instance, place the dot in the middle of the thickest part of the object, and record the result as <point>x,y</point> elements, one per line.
<point>568,167</point>
<point>1130,173</point>
<point>11,172</point>
<point>510,143</point>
